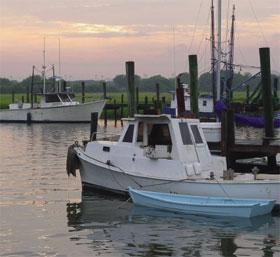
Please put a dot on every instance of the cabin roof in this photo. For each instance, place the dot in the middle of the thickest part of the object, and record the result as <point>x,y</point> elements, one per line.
<point>144,116</point>
<point>54,93</point>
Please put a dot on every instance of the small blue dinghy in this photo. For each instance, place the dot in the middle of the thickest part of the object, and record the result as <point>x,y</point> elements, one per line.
<point>234,207</point>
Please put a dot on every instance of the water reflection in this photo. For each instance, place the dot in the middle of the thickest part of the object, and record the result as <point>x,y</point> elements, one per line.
<point>113,224</point>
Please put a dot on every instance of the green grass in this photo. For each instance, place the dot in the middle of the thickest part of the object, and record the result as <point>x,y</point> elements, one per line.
<point>6,99</point>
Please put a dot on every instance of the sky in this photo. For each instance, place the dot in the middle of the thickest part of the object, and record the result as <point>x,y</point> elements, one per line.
<point>97,37</point>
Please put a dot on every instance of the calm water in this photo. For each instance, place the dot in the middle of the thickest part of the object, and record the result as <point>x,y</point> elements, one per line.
<point>43,212</point>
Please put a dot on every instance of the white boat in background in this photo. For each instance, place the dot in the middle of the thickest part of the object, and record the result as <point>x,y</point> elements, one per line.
<point>54,107</point>
<point>160,154</point>
<point>205,103</point>
<point>59,105</point>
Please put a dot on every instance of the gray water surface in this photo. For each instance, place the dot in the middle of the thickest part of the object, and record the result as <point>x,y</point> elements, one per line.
<point>45,213</point>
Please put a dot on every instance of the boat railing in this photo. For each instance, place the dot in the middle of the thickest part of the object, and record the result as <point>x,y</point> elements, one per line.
<point>104,136</point>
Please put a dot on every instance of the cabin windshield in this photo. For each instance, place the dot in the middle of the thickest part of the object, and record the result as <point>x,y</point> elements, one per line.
<point>52,98</point>
<point>128,137</point>
<point>159,134</point>
<point>73,97</point>
<point>64,97</point>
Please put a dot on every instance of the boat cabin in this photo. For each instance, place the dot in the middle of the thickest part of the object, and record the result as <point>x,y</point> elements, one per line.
<point>160,143</point>
<point>57,99</point>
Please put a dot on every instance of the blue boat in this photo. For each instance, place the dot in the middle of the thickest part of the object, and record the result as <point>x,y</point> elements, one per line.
<point>233,207</point>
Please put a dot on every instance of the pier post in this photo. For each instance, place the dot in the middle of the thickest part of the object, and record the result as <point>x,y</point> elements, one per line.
<point>105,109</point>
<point>32,86</point>
<point>275,93</point>
<point>180,98</point>
<point>27,93</point>
<point>224,133</point>
<point>266,89</point>
<point>193,84</point>
<point>13,96</point>
<point>122,110</point>
<point>115,112</point>
<point>163,100</point>
<point>157,91</point>
<point>131,88</point>
<point>93,125</point>
<point>137,98</point>
<point>83,92</point>
<point>247,93</point>
<point>22,99</point>
<point>64,86</point>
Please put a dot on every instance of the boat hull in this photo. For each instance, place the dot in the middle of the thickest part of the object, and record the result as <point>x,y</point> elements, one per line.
<point>202,205</point>
<point>106,177</point>
<point>69,113</point>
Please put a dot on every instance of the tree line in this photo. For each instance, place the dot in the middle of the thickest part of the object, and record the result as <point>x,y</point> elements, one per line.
<point>119,83</point>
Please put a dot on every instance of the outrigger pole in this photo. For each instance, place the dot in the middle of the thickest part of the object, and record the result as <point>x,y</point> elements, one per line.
<point>219,51</point>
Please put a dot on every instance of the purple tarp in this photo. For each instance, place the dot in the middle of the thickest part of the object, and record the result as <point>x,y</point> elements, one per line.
<point>250,121</point>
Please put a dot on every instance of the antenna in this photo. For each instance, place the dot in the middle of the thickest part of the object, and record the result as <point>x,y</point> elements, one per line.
<point>44,67</point>
<point>219,51</point>
<point>174,57</point>
<point>59,57</point>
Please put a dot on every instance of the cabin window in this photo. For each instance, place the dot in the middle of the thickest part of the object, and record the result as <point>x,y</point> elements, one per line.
<point>159,134</point>
<point>196,134</point>
<point>185,133</point>
<point>128,137</point>
<point>140,132</point>
<point>204,103</point>
<point>52,98</point>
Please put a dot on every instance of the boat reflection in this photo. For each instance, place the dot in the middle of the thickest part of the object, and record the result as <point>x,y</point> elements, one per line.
<point>114,223</point>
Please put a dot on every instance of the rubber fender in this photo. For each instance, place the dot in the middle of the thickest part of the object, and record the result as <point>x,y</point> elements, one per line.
<point>73,162</point>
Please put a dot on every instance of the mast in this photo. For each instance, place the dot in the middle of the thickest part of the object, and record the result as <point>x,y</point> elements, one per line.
<point>44,67</point>
<point>231,52</point>
<point>213,56</point>
<point>219,50</point>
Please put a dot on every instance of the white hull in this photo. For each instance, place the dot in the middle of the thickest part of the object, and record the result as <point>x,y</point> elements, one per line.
<point>107,177</point>
<point>68,113</point>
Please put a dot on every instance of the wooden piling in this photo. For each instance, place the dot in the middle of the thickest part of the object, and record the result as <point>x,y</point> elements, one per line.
<point>64,86</point>
<point>266,89</point>
<point>224,133</point>
<point>105,110</point>
<point>13,96</point>
<point>28,118</point>
<point>247,93</point>
<point>32,87</point>
<point>163,100</point>
<point>83,92</point>
<point>157,91</point>
<point>137,98</point>
<point>122,101</point>
<point>93,125</point>
<point>193,84</point>
<point>27,93</point>
<point>115,112</point>
<point>131,88</point>
<point>22,99</point>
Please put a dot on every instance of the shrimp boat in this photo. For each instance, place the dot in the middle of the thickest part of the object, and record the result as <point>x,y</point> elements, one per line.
<point>202,205</point>
<point>58,105</point>
<point>163,154</point>
<point>53,107</point>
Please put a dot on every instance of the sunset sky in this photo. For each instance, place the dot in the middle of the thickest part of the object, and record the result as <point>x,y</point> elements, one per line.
<point>97,37</point>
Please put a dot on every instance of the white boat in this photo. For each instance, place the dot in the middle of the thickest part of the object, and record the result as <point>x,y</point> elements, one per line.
<point>54,107</point>
<point>202,205</point>
<point>59,105</point>
<point>205,103</point>
<point>160,154</point>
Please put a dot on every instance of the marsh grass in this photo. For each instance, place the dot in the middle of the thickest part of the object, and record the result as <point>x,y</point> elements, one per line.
<point>6,99</point>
